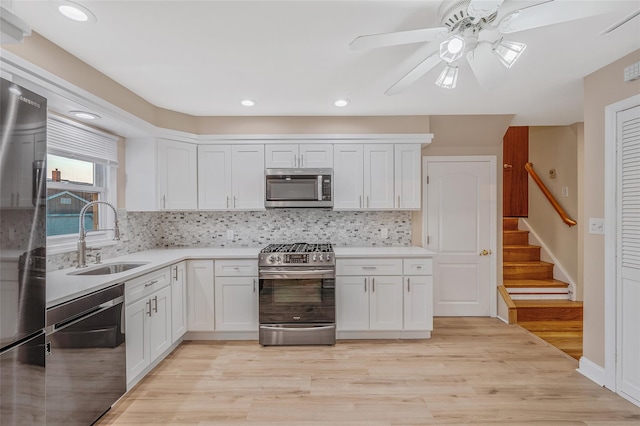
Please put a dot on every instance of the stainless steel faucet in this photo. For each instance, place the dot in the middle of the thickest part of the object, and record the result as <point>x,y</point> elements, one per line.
<point>82,242</point>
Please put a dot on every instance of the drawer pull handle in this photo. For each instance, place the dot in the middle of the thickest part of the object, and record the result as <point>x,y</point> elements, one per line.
<point>408,285</point>
<point>365,285</point>
<point>155,299</point>
<point>150,283</point>
<point>149,311</point>
<point>373,285</point>
<point>369,267</point>
<point>419,267</point>
<point>254,285</point>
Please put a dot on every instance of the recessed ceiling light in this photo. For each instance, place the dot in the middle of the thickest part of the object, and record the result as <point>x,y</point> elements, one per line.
<point>85,115</point>
<point>341,103</point>
<point>248,102</point>
<point>75,11</point>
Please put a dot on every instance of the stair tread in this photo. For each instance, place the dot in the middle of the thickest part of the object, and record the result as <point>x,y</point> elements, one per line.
<point>514,231</point>
<point>520,246</point>
<point>517,283</point>
<point>527,263</point>
<point>551,326</point>
<point>544,303</point>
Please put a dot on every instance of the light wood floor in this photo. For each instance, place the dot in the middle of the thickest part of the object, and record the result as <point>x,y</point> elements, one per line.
<point>473,370</point>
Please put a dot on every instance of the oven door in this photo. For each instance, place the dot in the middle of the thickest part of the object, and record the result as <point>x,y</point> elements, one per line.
<point>297,295</point>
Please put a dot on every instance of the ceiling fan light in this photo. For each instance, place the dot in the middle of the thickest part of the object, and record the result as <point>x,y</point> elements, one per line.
<point>452,48</point>
<point>448,77</point>
<point>508,52</point>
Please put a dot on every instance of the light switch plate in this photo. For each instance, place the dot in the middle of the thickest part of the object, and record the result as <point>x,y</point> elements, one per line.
<point>596,225</point>
<point>565,191</point>
<point>384,233</point>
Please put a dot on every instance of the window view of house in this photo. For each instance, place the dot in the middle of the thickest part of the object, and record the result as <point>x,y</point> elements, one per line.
<point>71,184</point>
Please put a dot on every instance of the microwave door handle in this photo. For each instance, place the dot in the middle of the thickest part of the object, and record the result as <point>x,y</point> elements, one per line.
<point>319,188</point>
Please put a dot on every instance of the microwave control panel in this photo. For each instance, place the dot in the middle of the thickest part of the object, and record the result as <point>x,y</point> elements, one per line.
<point>326,188</point>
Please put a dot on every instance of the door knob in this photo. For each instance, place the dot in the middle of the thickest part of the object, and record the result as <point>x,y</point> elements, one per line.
<point>485,252</point>
<point>507,166</point>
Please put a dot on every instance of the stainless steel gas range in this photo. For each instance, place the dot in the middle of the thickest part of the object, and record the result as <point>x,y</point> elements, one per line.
<point>297,302</point>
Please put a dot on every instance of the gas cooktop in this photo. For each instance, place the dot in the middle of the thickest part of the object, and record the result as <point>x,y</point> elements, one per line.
<point>297,254</point>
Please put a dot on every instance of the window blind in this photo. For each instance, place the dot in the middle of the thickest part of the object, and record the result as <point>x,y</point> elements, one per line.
<point>630,189</point>
<point>67,138</point>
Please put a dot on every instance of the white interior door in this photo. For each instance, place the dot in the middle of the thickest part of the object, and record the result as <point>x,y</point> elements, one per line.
<point>460,225</point>
<point>628,258</point>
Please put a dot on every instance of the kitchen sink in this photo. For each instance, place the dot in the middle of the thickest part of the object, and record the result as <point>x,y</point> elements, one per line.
<point>111,268</point>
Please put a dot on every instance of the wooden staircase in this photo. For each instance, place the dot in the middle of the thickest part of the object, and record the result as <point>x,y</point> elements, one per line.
<point>535,300</point>
<point>525,276</point>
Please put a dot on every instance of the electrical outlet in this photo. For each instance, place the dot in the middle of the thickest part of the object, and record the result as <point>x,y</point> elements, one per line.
<point>230,234</point>
<point>552,173</point>
<point>384,233</point>
<point>596,225</point>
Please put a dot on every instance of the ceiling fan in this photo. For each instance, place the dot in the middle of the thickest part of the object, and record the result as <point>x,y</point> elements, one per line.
<point>474,29</point>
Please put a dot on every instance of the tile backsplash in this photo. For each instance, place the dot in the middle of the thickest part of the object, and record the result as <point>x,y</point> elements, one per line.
<point>149,230</point>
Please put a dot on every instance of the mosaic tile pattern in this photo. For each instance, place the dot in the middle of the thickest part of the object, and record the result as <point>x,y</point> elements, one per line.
<point>149,230</point>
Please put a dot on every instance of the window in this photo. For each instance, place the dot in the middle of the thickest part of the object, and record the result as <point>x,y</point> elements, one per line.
<point>71,184</point>
<point>81,164</point>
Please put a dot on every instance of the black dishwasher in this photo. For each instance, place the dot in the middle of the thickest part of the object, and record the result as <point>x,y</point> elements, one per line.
<point>86,359</point>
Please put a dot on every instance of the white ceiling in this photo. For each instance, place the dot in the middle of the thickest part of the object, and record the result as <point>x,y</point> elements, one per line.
<point>293,57</point>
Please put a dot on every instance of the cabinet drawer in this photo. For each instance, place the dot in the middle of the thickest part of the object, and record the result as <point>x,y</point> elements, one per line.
<point>418,267</point>
<point>236,268</point>
<point>140,287</point>
<point>369,267</point>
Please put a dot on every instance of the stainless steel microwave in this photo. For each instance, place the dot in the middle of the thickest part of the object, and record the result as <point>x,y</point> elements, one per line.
<point>298,188</point>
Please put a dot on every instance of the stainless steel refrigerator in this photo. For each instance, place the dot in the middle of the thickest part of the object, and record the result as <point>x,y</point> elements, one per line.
<point>23,119</point>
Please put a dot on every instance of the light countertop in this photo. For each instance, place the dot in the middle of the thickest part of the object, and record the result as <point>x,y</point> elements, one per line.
<point>62,287</point>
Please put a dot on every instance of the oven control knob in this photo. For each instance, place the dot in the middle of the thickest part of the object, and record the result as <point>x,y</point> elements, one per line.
<point>321,258</point>
<point>271,259</point>
<point>314,258</point>
<point>328,258</point>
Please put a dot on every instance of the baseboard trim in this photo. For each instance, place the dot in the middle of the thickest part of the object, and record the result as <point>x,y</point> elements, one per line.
<point>591,371</point>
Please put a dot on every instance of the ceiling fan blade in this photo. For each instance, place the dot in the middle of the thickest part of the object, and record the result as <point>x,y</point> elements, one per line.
<point>418,71</point>
<point>483,8</point>
<point>552,12</point>
<point>486,67</point>
<point>394,39</point>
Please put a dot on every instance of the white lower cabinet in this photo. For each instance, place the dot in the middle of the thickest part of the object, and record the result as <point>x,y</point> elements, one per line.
<point>147,320</point>
<point>200,300</point>
<point>178,300</point>
<point>398,298</point>
<point>236,295</point>
<point>418,302</point>
<point>369,303</point>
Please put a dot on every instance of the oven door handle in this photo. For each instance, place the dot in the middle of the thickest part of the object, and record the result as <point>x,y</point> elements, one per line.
<point>292,275</point>
<point>323,327</point>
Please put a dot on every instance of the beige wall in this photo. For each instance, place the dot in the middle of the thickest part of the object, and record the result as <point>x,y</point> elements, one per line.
<point>601,88</point>
<point>556,148</point>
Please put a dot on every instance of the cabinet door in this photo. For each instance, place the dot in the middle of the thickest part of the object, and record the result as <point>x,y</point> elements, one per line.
<point>236,303</point>
<point>386,303</point>
<point>177,175</point>
<point>347,177</point>
<point>315,156</point>
<point>160,323</point>
<point>214,177</point>
<point>142,174</point>
<point>178,300</point>
<point>352,303</point>
<point>418,302</point>
<point>378,176</point>
<point>248,177</point>
<point>137,335</point>
<point>283,156</point>
<point>200,295</point>
<point>407,176</point>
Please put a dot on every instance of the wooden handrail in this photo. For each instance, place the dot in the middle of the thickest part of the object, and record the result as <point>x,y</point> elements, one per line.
<point>563,215</point>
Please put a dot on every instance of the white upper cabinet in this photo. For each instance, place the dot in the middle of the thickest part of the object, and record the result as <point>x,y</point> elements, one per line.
<point>348,176</point>
<point>286,156</point>
<point>231,177</point>
<point>363,177</point>
<point>177,175</point>
<point>377,176</point>
<point>407,176</point>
